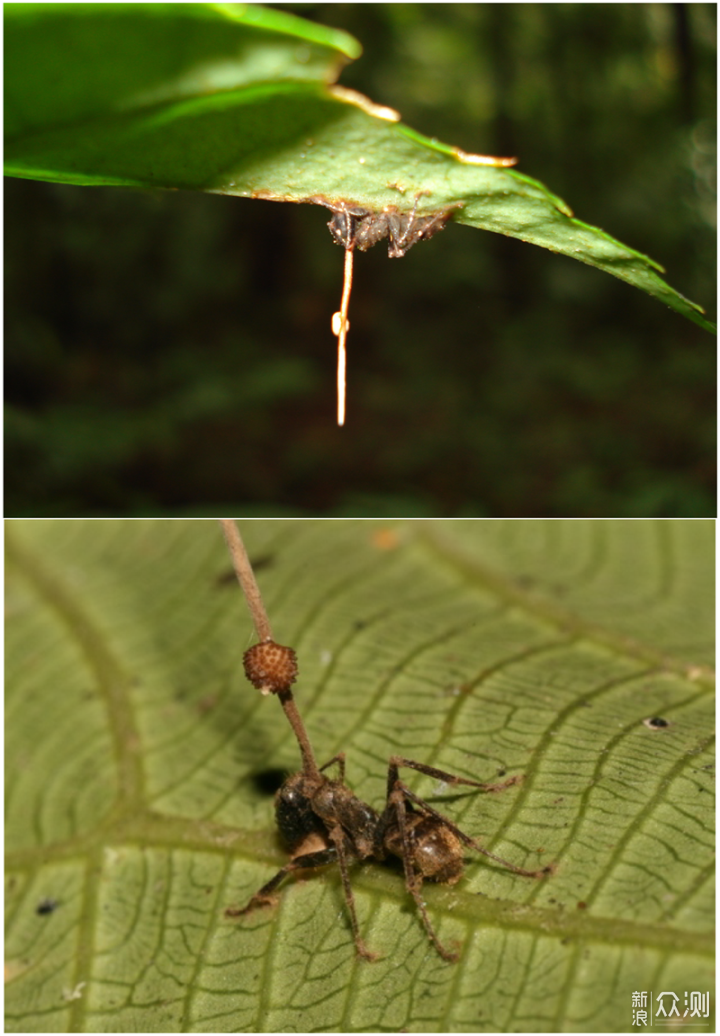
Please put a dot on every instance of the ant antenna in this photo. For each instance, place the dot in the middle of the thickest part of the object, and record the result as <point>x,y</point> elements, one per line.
<point>340,327</point>
<point>270,667</point>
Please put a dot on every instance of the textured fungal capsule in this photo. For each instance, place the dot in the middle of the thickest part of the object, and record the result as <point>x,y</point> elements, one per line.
<point>270,666</point>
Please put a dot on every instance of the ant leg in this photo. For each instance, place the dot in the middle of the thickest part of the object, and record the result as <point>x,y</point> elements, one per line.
<point>265,897</point>
<point>340,760</point>
<point>396,236</point>
<point>413,879</point>
<point>401,230</point>
<point>449,778</point>
<point>337,837</point>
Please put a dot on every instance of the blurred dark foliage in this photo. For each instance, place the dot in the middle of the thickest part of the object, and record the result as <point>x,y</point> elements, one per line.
<point>171,353</point>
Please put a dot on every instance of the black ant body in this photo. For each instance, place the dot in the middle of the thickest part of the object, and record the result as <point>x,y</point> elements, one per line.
<point>323,821</point>
<point>355,227</point>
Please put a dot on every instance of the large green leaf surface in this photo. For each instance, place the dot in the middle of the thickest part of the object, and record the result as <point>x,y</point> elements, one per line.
<point>237,99</point>
<point>138,764</point>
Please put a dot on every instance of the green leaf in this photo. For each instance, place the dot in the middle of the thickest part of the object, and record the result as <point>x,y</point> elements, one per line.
<point>237,99</point>
<point>136,814</point>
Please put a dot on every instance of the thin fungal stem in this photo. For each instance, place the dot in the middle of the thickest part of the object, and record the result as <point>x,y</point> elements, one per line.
<point>248,583</point>
<point>342,330</point>
<point>246,578</point>
<point>310,766</point>
<point>341,378</point>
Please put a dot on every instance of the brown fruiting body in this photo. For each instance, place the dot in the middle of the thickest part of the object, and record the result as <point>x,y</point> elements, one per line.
<point>270,666</point>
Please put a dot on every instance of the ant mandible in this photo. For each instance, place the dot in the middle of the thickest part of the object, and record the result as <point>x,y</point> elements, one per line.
<point>323,821</point>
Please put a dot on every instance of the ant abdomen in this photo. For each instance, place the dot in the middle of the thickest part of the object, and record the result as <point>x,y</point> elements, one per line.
<point>436,852</point>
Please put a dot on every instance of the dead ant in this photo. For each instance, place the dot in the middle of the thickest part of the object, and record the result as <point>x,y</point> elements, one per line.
<point>355,227</point>
<point>323,821</point>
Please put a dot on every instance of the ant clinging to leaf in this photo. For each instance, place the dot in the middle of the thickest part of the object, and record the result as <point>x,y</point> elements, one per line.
<point>323,822</point>
<point>354,226</point>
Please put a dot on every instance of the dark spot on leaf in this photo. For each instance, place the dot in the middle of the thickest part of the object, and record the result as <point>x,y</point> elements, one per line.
<point>47,906</point>
<point>268,781</point>
<point>656,723</point>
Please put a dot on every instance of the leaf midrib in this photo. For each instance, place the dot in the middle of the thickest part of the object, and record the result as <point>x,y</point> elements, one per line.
<point>234,843</point>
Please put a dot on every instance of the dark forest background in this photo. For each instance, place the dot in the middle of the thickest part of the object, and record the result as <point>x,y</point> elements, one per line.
<point>171,353</point>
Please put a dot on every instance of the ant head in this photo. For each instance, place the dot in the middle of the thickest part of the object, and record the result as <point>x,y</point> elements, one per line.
<point>343,224</point>
<point>342,228</point>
